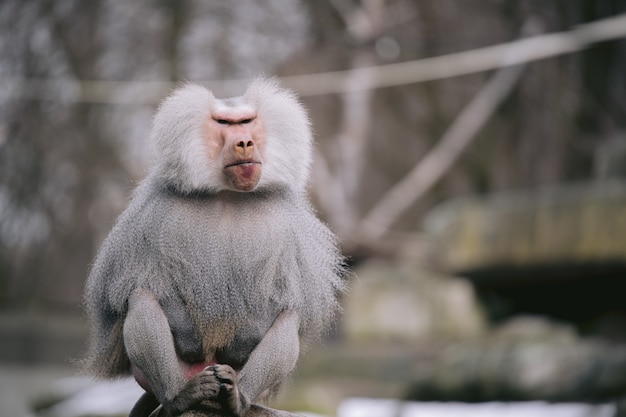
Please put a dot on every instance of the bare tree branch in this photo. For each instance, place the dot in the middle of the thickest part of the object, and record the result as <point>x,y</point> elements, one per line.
<point>330,195</point>
<point>362,24</point>
<point>439,160</point>
<point>468,62</point>
<point>436,68</point>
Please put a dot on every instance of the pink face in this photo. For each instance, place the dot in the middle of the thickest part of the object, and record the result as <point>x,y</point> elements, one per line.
<point>236,137</point>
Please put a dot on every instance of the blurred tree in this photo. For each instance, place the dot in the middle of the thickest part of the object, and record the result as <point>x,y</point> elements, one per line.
<point>66,167</point>
<point>554,127</point>
<point>50,173</point>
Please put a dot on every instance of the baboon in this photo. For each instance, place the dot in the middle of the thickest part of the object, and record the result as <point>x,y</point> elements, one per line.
<point>218,272</point>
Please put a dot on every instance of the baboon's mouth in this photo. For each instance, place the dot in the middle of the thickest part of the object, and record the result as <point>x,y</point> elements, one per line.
<point>243,162</point>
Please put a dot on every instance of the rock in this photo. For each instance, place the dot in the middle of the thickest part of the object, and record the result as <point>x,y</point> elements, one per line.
<point>403,302</point>
<point>584,223</point>
<point>526,359</point>
<point>558,251</point>
<point>528,328</point>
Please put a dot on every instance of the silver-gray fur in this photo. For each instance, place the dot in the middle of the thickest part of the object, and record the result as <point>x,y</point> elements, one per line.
<point>202,271</point>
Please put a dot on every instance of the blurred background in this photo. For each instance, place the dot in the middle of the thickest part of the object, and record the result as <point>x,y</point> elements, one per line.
<point>482,205</point>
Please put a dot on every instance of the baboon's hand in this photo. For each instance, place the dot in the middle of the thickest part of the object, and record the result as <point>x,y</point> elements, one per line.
<point>230,398</point>
<point>202,386</point>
